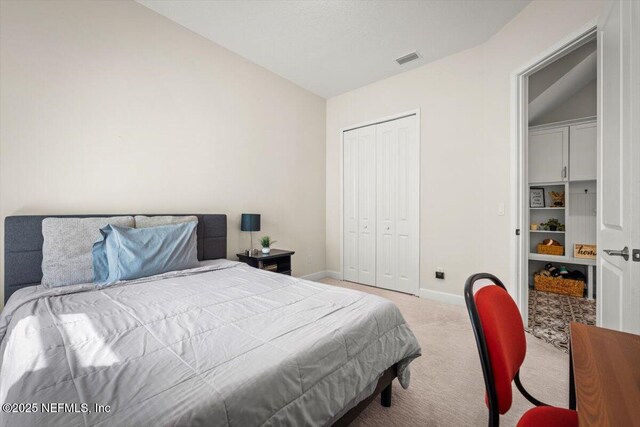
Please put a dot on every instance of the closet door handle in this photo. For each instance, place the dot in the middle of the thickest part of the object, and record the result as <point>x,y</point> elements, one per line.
<point>624,253</point>
<point>387,228</point>
<point>564,172</point>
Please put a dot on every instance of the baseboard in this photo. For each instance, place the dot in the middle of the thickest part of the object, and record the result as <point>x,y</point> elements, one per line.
<point>441,296</point>
<point>315,276</point>
<point>334,275</point>
<point>322,275</point>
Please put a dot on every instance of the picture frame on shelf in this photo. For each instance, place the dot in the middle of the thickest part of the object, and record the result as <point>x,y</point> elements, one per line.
<point>536,197</point>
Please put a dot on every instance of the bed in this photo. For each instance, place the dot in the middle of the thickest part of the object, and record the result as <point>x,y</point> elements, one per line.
<point>220,344</point>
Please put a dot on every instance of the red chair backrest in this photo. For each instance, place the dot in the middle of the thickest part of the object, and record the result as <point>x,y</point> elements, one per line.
<point>505,339</point>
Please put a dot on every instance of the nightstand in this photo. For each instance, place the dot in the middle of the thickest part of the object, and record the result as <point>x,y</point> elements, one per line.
<point>278,261</point>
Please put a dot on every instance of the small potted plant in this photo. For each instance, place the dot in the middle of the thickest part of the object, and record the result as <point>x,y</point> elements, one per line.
<point>266,242</point>
<point>553,224</point>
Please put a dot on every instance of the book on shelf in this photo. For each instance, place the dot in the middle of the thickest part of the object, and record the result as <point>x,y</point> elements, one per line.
<point>270,267</point>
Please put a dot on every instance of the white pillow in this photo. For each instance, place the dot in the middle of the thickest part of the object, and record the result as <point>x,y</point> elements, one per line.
<point>66,251</point>
<point>154,221</point>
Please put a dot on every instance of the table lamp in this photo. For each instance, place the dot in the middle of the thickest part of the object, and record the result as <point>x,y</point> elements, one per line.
<point>250,223</point>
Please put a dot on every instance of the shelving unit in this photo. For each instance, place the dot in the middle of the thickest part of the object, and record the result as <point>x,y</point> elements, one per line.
<point>562,259</point>
<point>554,168</point>
<point>546,209</point>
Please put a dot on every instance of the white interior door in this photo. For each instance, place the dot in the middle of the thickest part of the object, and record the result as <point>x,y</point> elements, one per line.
<point>350,202</point>
<point>397,248</point>
<point>367,205</point>
<point>619,166</point>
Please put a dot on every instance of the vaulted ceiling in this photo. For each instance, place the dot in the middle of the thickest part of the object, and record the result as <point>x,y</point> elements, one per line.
<point>330,47</point>
<point>556,83</point>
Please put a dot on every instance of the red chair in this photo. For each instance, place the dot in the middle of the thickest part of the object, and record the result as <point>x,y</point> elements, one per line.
<point>499,333</point>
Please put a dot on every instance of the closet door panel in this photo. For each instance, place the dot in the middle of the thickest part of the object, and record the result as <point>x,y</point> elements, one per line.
<point>387,254</point>
<point>367,205</point>
<point>407,209</point>
<point>381,205</point>
<point>350,200</point>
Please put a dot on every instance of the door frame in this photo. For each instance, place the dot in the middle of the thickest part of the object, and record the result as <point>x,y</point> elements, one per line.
<point>518,159</point>
<point>415,112</point>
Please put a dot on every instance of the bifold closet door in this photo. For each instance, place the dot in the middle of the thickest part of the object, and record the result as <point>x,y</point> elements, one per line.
<point>360,205</point>
<point>397,248</point>
<point>350,195</point>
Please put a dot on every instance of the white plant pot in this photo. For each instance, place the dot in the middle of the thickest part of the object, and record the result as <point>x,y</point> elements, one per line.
<point>266,250</point>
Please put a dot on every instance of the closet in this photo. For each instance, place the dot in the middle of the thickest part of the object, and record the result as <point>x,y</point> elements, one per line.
<point>562,161</point>
<point>381,205</point>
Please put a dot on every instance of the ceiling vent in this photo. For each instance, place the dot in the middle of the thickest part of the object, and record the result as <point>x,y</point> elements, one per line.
<point>408,58</point>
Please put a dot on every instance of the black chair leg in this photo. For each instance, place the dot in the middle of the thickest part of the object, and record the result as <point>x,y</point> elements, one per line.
<point>385,396</point>
<point>572,384</point>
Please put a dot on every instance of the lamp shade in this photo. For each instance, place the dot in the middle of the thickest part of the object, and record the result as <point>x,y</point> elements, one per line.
<point>250,222</point>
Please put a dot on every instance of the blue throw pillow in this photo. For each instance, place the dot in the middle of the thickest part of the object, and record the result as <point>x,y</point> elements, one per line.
<point>100,263</point>
<point>131,253</point>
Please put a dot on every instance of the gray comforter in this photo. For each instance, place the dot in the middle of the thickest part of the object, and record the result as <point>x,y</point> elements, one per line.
<point>224,344</point>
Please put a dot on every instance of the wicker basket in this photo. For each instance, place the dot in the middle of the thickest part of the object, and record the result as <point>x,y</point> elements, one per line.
<point>550,250</point>
<point>558,285</point>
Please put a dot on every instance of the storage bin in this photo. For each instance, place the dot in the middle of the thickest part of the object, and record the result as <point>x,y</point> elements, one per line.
<point>558,285</point>
<point>550,250</point>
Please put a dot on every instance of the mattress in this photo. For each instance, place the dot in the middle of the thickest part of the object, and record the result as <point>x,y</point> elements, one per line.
<point>223,344</point>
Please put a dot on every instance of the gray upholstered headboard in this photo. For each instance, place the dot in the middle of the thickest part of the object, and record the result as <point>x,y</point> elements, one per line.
<point>23,245</point>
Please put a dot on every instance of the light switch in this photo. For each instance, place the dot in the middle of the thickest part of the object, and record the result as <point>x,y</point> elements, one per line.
<point>501,209</point>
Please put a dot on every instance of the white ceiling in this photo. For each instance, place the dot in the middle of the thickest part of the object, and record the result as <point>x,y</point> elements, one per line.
<point>331,47</point>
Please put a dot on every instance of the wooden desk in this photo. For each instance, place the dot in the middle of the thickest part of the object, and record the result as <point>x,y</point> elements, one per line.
<point>605,369</point>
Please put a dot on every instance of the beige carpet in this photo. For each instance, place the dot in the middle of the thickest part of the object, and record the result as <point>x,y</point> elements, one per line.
<point>447,388</point>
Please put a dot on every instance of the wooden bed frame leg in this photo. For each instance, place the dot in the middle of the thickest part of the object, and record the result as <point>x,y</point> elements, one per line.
<point>385,396</point>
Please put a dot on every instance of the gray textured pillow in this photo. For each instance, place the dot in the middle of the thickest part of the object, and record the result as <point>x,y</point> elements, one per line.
<point>154,221</point>
<point>66,251</point>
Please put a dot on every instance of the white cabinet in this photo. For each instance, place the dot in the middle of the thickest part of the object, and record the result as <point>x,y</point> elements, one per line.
<point>548,155</point>
<point>563,153</point>
<point>381,205</point>
<point>582,152</point>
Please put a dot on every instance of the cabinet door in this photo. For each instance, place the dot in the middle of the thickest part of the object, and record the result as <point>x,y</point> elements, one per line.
<point>582,152</point>
<point>367,205</point>
<point>548,155</point>
<point>350,213</point>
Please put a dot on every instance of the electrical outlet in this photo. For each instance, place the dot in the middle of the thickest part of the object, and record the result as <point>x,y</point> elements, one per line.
<point>439,274</point>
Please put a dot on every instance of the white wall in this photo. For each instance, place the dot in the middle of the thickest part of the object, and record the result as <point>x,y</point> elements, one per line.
<point>107,107</point>
<point>465,161</point>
